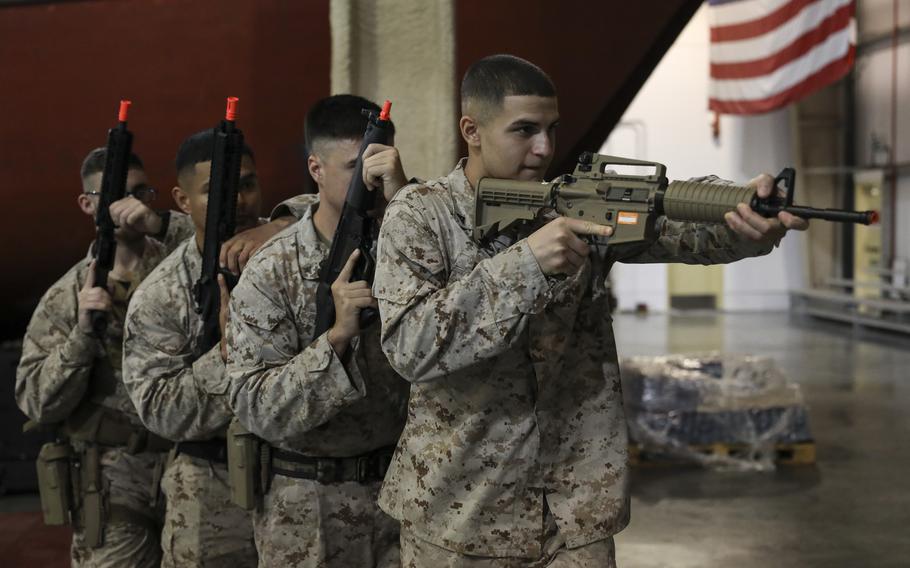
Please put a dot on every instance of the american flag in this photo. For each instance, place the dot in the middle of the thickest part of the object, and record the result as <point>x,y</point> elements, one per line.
<point>766,54</point>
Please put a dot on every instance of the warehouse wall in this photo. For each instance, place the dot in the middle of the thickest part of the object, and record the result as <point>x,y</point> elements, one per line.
<point>66,65</point>
<point>873,102</point>
<point>373,56</point>
<point>678,134</point>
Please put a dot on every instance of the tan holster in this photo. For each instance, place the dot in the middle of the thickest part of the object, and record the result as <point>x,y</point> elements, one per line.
<point>70,482</point>
<point>246,463</point>
<point>54,483</point>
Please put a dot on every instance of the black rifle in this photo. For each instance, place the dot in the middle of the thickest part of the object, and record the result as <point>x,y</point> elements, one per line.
<point>220,222</point>
<point>113,188</point>
<point>356,230</point>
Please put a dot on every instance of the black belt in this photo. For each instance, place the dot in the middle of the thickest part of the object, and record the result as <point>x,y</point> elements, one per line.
<point>95,424</point>
<point>366,468</point>
<point>211,450</point>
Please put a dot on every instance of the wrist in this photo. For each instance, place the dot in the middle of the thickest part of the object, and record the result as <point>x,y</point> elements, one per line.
<point>338,340</point>
<point>85,326</point>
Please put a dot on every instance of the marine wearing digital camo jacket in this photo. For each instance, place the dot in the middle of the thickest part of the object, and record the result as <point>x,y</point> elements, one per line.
<point>71,379</point>
<point>329,407</point>
<point>515,445</point>
<point>180,390</point>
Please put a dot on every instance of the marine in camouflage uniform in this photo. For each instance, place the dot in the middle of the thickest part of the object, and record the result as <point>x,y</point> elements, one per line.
<point>330,418</point>
<point>181,394</point>
<point>180,390</point>
<point>67,376</point>
<point>515,450</point>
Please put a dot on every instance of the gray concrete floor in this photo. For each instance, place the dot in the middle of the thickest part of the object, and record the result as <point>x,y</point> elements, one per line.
<point>851,510</point>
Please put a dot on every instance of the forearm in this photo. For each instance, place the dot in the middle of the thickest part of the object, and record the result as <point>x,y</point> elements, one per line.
<point>176,398</point>
<point>695,243</point>
<point>51,383</point>
<point>281,401</point>
<point>443,329</point>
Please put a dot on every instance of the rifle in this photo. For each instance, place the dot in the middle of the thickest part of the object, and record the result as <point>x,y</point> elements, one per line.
<point>356,230</point>
<point>220,222</point>
<point>630,203</point>
<point>113,188</point>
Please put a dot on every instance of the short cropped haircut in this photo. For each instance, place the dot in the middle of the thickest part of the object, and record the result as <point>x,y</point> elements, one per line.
<point>198,148</point>
<point>338,117</point>
<point>492,79</point>
<point>94,163</point>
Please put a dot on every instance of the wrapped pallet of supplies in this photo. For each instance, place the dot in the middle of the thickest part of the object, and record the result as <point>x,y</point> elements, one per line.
<point>721,411</point>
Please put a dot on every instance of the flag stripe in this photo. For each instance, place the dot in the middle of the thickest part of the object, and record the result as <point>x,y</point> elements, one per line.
<point>786,76</point>
<point>827,75</point>
<point>802,45</point>
<point>762,25</point>
<point>738,11</point>
<point>766,44</point>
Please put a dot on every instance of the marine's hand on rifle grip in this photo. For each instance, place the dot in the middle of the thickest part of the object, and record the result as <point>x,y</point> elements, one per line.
<point>131,213</point>
<point>749,224</point>
<point>557,247</point>
<point>91,298</point>
<point>349,298</point>
<point>382,168</point>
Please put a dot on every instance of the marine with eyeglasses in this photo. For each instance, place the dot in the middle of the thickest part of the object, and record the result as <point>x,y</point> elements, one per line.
<point>70,381</point>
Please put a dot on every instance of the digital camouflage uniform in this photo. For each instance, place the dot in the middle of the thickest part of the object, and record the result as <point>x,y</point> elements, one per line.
<point>292,390</point>
<point>296,206</point>
<point>516,408</point>
<point>181,394</point>
<point>64,370</point>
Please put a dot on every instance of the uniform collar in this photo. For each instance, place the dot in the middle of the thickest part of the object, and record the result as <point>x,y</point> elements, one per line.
<point>310,250</point>
<point>462,194</point>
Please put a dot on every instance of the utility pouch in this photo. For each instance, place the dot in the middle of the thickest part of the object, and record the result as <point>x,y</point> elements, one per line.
<point>54,486</point>
<point>92,498</point>
<point>243,452</point>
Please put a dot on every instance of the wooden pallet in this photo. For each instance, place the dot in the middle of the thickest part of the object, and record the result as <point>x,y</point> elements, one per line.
<point>802,453</point>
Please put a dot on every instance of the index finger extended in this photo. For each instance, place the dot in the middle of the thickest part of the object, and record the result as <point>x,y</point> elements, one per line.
<point>225,295</point>
<point>582,227</point>
<point>345,275</point>
<point>90,276</point>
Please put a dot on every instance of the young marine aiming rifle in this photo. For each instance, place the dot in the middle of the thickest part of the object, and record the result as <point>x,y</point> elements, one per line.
<point>220,223</point>
<point>356,230</point>
<point>113,188</point>
<point>630,204</point>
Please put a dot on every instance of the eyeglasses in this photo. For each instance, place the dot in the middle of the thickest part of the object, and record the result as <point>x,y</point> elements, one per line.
<point>143,194</point>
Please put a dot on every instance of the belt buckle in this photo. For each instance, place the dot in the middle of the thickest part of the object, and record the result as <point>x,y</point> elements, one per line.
<point>365,466</point>
<point>327,470</point>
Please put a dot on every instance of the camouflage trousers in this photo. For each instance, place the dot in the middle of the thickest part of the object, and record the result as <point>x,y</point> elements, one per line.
<point>202,527</point>
<point>309,524</point>
<point>128,481</point>
<point>419,553</point>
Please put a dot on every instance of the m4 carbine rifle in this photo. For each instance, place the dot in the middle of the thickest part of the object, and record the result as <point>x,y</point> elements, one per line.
<point>630,204</point>
<point>356,230</point>
<point>220,223</point>
<point>113,188</point>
